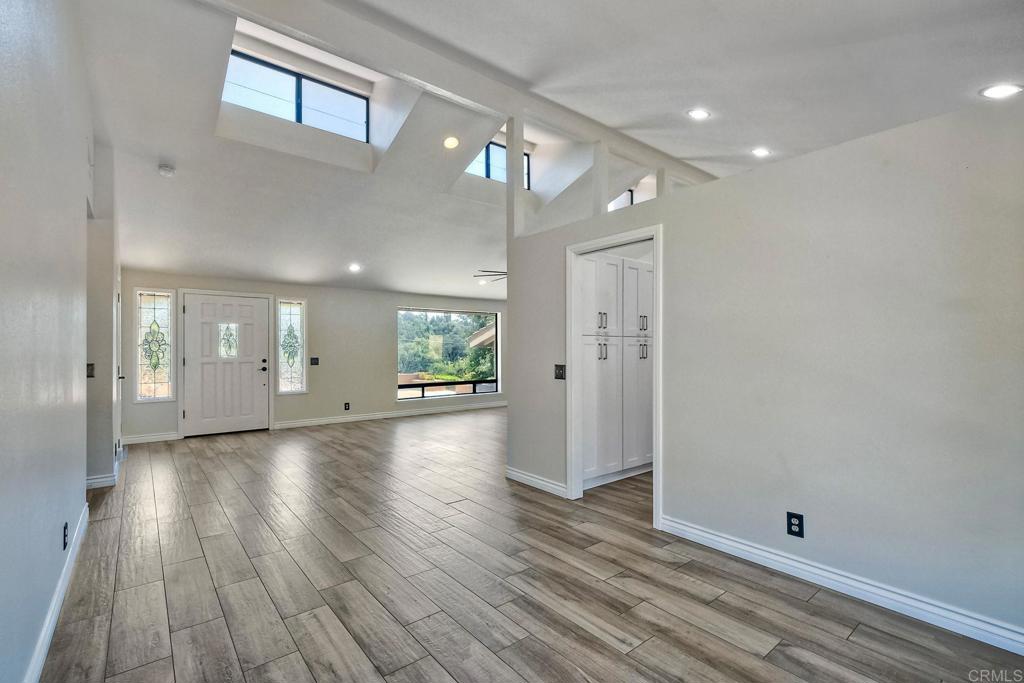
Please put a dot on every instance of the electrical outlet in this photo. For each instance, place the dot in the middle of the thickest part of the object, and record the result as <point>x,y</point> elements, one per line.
<point>795,524</point>
<point>314,360</point>
<point>559,372</point>
<point>348,406</point>
<point>65,535</point>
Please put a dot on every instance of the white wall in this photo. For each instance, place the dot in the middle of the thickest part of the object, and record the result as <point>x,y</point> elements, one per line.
<point>352,331</point>
<point>843,339</point>
<point>44,130</point>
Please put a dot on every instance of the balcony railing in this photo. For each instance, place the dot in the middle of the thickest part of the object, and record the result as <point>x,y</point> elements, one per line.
<point>451,388</point>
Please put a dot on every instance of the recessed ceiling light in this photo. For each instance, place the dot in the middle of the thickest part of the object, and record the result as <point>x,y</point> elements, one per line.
<point>451,142</point>
<point>699,114</point>
<point>1001,91</point>
<point>166,170</point>
<point>761,152</point>
<point>354,267</point>
<point>483,282</point>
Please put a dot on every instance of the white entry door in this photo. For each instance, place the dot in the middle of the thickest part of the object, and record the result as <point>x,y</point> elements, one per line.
<point>227,373</point>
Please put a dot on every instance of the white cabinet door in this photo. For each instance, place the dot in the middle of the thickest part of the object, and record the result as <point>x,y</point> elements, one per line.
<point>598,294</point>
<point>645,299</point>
<point>588,319</point>
<point>589,376</point>
<point>600,429</point>
<point>609,293</point>
<point>637,402</point>
<point>631,297</point>
<point>227,374</point>
<point>610,418</point>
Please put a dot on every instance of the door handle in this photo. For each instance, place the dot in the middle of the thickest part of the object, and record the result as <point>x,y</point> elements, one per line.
<point>121,377</point>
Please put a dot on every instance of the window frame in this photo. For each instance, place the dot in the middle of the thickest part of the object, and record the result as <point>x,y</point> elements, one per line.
<point>172,337</point>
<point>299,77</point>
<point>497,359</point>
<point>487,167</point>
<point>277,345</point>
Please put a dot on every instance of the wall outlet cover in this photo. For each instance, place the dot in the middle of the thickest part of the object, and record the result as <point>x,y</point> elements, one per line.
<point>559,372</point>
<point>314,360</point>
<point>795,524</point>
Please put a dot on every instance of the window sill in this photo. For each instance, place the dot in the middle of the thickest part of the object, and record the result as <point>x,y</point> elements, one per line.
<point>146,401</point>
<point>293,393</point>
<point>435,398</point>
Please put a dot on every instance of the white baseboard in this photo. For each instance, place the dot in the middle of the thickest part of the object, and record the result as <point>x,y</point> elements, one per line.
<point>35,666</point>
<point>603,479</point>
<point>536,482</point>
<point>992,631</point>
<point>149,438</point>
<point>316,421</point>
<point>103,480</point>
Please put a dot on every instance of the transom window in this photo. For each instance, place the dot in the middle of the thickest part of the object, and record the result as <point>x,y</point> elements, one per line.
<point>291,346</point>
<point>274,90</point>
<point>154,376</point>
<point>446,353</point>
<point>492,162</point>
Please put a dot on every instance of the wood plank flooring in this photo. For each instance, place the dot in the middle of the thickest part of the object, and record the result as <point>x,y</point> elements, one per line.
<point>396,550</point>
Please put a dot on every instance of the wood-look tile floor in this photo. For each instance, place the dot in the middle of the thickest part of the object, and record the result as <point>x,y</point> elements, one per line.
<point>397,550</point>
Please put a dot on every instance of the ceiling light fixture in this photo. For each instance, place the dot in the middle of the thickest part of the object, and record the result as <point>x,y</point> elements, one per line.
<point>1001,91</point>
<point>699,114</point>
<point>166,170</point>
<point>761,152</point>
<point>451,142</point>
<point>354,267</point>
<point>483,282</point>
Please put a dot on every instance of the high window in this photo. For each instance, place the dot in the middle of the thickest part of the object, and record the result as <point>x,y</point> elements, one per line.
<point>291,346</point>
<point>492,162</point>
<point>286,94</point>
<point>625,199</point>
<point>154,376</point>
<point>446,353</point>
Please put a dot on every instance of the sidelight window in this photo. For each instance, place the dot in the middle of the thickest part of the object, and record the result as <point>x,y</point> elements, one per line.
<point>154,368</point>
<point>291,346</point>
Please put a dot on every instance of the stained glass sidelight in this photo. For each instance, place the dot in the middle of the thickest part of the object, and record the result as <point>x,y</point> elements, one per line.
<point>155,339</point>
<point>291,352</point>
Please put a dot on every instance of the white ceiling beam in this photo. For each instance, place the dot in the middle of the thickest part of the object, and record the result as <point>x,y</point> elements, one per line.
<point>514,171</point>
<point>347,35</point>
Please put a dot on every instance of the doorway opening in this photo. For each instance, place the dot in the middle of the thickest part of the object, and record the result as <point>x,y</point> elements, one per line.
<point>613,345</point>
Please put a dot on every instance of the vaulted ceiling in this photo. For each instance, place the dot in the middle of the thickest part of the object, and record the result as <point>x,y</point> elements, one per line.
<point>794,76</point>
<point>797,77</point>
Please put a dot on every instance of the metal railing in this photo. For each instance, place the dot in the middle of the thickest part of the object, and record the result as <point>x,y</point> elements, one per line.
<point>478,386</point>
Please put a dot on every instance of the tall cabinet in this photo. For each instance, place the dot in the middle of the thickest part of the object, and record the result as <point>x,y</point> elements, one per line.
<point>614,423</point>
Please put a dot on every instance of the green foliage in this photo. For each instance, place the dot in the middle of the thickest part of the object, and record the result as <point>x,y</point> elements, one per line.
<point>437,344</point>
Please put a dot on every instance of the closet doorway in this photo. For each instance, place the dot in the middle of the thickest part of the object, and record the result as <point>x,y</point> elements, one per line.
<point>613,340</point>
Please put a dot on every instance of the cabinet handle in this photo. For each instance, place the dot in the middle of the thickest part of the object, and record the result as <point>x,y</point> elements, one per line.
<point>599,320</point>
<point>604,316</point>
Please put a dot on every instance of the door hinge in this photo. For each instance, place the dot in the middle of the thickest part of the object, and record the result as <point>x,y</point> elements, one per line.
<point>119,297</point>
<point>183,361</point>
<point>183,308</point>
<point>183,415</point>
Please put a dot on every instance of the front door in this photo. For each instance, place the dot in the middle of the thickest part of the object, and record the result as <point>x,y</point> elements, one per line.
<point>227,373</point>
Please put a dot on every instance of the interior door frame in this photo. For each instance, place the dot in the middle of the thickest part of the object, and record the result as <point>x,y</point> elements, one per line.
<point>180,340</point>
<point>573,460</point>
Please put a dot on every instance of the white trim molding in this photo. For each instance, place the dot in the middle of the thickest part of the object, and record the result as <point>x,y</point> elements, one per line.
<point>35,666</point>
<point>993,631</point>
<point>546,485</point>
<point>103,480</point>
<point>129,439</point>
<point>602,479</point>
<point>336,419</point>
